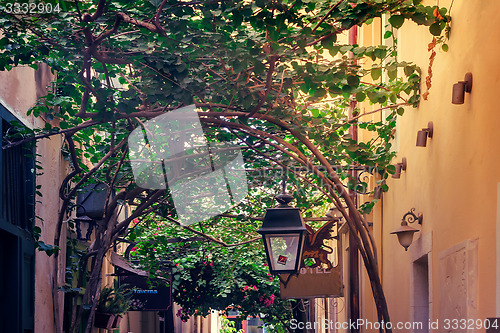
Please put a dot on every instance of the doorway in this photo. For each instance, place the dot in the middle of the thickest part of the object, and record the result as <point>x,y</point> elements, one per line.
<point>421,300</point>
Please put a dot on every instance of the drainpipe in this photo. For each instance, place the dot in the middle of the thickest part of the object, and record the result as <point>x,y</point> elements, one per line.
<point>354,311</point>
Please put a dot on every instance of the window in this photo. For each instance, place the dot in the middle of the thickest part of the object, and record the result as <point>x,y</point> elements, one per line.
<point>17,248</point>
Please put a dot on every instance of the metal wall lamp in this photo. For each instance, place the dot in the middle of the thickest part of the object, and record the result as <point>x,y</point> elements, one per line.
<point>460,88</point>
<point>400,167</point>
<point>405,232</point>
<point>425,133</point>
<point>84,227</point>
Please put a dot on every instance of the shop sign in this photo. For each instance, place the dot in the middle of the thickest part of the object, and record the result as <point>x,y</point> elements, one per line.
<point>147,297</point>
<point>322,278</point>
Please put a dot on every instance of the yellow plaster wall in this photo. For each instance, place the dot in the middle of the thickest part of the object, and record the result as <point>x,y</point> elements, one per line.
<point>19,89</point>
<point>452,181</point>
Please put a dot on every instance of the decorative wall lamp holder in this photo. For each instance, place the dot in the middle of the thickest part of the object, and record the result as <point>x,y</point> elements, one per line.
<point>400,167</point>
<point>84,228</point>
<point>425,133</point>
<point>460,88</point>
<point>405,232</point>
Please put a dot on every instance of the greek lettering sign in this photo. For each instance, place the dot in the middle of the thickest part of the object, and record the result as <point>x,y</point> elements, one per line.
<point>146,297</point>
<point>321,271</point>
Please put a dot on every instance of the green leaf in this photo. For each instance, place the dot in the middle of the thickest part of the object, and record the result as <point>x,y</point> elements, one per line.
<point>380,52</point>
<point>435,29</point>
<point>392,71</point>
<point>388,34</point>
<point>409,70</point>
<point>259,67</point>
<point>345,48</point>
<point>353,81</point>
<point>376,73</point>
<point>360,96</point>
<point>445,47</point>
<point>419,18</point>
<point>396,21</point>
<point>329,42</point>
<point>334,50</point>
<point>320,93</point>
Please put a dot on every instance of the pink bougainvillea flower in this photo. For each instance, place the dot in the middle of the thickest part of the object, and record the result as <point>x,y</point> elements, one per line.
<point>134,249</point>
<point>254,287</point>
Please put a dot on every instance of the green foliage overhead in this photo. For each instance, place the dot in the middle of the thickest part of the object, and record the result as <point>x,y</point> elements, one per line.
<point>271,76</point>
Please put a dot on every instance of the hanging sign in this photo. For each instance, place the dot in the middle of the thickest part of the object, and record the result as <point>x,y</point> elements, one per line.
<point>145,296</point>
<point>321,272</point>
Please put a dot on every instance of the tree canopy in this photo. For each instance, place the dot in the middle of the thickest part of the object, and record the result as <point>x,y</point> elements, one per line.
<point>275,77</point>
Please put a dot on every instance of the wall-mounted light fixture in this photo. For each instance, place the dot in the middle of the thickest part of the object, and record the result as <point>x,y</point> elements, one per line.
<point>400,167</point>
<point>84,227</point>
<point>425,133</point>
<point>405,232</point>
<point>378,190</point>
<point>460,88</point>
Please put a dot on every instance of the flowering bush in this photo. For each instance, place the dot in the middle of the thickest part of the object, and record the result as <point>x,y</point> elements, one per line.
<point>208,277</point>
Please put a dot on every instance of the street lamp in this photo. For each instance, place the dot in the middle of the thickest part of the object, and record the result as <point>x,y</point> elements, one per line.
<point>84,226</point>
<point>405,232</point>
<point>283,232</point>
<point>90,206</point>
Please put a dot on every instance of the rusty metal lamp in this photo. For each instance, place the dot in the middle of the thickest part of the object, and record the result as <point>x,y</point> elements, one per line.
<point>425,133</point>
<point>460,88</point>
<point>400,167</point>
<point>405,232</point>
<point>84,227</point>
<point>283,232</point>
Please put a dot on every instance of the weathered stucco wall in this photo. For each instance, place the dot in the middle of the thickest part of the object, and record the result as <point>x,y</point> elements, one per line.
<point>19,89</point>
<point>453,181</point>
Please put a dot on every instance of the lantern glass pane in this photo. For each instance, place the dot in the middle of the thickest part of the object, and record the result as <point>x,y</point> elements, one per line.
<point>283,250</point>
<point>405,238</point>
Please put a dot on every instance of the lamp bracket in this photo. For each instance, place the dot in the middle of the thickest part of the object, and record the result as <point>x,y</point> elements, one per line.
<point>403,164</point>
<point>411,217</point>
<point>468,82</point>
<point>429,129</point>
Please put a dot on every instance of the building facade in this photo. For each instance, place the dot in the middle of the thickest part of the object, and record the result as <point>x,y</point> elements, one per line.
<point>449,279</point>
